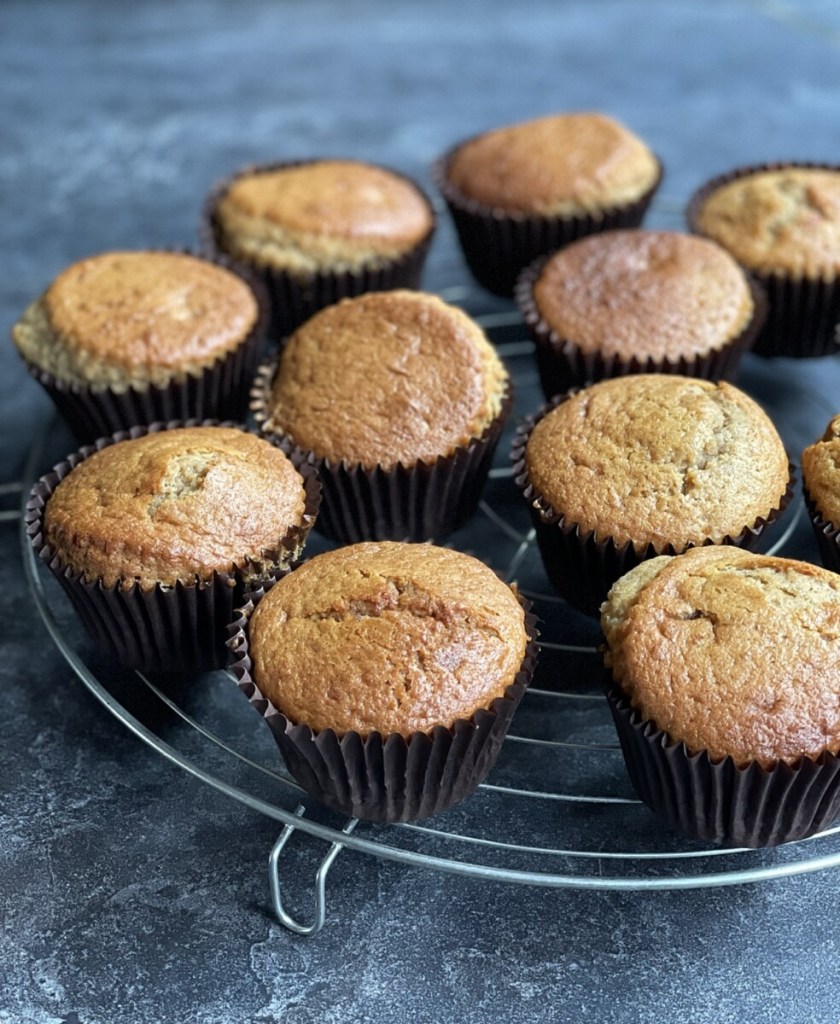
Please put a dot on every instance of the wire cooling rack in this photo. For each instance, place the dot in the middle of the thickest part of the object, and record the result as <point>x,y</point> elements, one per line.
<point>556,811</point>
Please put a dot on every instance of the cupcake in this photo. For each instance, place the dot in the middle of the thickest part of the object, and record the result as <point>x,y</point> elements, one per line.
<point>646,465</point>
<point>725,694</point>
<point>128,338</point>
<point>388,674</point>
<point>399,400</point>
<point>521,191</point>
<point>638,302</point>
<point>781,222</point>
<point>821,487</point>
<point>320,230</point>
<point>155,534</point>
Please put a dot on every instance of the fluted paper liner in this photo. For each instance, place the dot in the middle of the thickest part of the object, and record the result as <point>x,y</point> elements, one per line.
<point>219,391</point>
<point>295,298</point>
<point>387,778</point>
<point>497,245</point>
<point>562,364</point>
<point>582,566</point>
<point>718,801</point>
<point>803,312</point>
<point>826,533</point>
<point>426,501</point>
<point>180,628</point>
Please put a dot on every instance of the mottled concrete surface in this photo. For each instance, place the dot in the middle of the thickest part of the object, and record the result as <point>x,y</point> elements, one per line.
<point>131,892</point>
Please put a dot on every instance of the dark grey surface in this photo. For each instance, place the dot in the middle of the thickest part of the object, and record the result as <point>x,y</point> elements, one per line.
<point>130,891</point>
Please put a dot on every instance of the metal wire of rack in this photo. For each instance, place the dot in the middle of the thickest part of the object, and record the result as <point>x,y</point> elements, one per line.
<point>557,811</point>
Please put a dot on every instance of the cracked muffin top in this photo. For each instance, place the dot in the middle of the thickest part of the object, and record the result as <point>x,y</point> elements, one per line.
<point>175,506</point>
<point>731,652</point>
<point>563,164</point>
<point>821,472</point>
<point>386,637</point>
<point>325,215</point>
<point>649,294</point>
<point>658,459</point>
<point>784,220</point>
<point>123,318</point>
<point>386,378</point>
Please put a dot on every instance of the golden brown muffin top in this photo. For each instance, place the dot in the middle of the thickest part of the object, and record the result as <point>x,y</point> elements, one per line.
<point>327,214</point>
<point>654,294</point>
<point>174,505</point>
<point>731,652</point>
<point>387,377</point>
<point>658,459</point>
<point>821,472</point>
<point>146,317</point>
<point>386,637</point>
<point>561,164</point>
<point>783,220</point>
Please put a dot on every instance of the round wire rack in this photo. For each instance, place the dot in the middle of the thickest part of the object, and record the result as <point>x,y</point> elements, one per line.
<point>557,810</point>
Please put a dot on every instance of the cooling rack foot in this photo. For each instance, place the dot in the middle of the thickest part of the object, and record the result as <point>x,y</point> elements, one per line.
<point>283,916</point>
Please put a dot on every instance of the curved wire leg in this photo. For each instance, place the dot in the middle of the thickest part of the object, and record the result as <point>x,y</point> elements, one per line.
<point>320,879</point>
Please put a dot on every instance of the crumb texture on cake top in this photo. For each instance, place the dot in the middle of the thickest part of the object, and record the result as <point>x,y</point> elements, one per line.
<point>387,378</point>
<point>784,220</point>
<point>731,652</point>
<point>174,506</point>
<point>658,459</point>
<point>324,215</point>
<point>821,472</point>
<point>562,164</point>
<point>649,294</point>
<point>386,637</point>
<point>123,318</point>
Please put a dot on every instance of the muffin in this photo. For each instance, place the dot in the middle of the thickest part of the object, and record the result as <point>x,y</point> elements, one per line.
<point>821,488</point>
<point>782,223</point>
<point>388,674</point>
<point>726,669</point>
<point>127,338</point>
<point>155,534</point>
<point>638,302</point>
<point>646,465</point>
<point>521,191</point>
<point>399,400</point>
<point>320,230</point>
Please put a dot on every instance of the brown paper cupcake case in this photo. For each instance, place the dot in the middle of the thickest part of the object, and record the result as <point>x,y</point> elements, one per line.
<point>497,245</point>
<point>294,300</point>
<point>803,313</point>
<point>562,364</point>
<point>581,566</point>
<point>717,801</point>
<point>426,501</point>
<point>220,391</point>
<point>179,628</point>
<point>827,535</point>
<point>387,778</point>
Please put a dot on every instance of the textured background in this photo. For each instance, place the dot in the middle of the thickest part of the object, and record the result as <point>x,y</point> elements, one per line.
<point>133,893</point>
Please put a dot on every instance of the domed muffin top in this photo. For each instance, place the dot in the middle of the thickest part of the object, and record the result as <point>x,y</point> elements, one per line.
<point>560,164</point>
<point>386,637</point>
<point>731,652</point>
<point>386,378</point>
<point>649,294</point>
<point>658,459</point>
<point>821,472</point>
<point>136,317</point>
<point>322,215</point>
<point>177,505</point>
<point>785,220</point>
